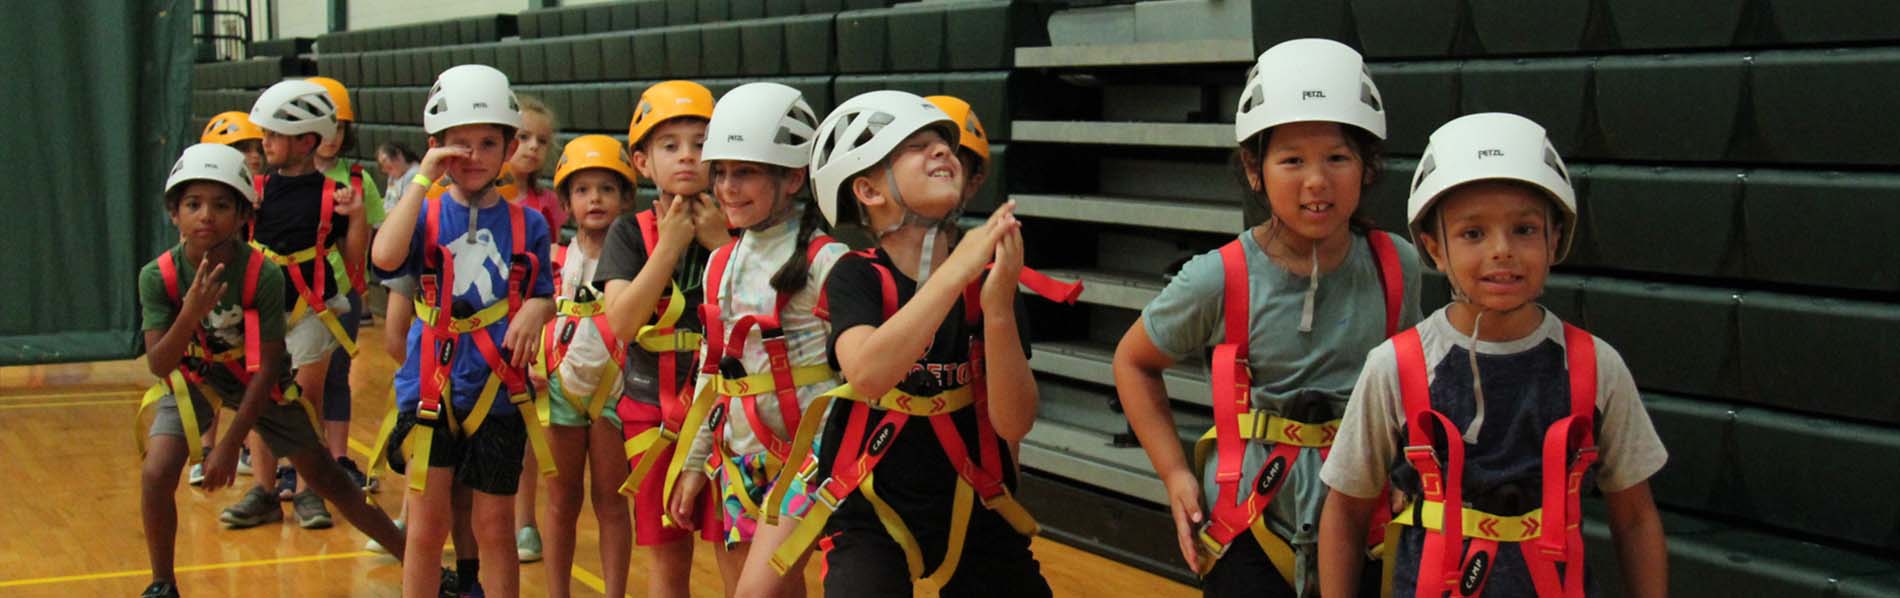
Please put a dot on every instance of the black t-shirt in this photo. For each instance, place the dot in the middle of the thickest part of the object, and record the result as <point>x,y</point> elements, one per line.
<point>624,254</point>
<point>915,477</point>
<point>287,223</point>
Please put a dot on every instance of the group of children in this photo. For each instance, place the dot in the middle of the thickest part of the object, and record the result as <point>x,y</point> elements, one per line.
<point>693,356</point>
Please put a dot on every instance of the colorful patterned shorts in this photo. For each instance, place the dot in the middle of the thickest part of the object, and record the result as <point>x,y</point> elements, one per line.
<point>755,483</point>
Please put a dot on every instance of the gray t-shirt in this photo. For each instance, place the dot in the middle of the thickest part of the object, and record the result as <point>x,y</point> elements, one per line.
<point>1348,318</point>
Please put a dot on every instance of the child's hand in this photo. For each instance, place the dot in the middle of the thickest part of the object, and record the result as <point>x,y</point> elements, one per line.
<point>1184,498</point>
<point>710,227</point>
<point>523,338</point>
<point>978,246</point>
<point>686,499</point>
<point>345,201</point>
<point>436,162</point>
<point>999,290</point>
<point>220,468</point>
<point>207,287</point>
<point>675,222</point>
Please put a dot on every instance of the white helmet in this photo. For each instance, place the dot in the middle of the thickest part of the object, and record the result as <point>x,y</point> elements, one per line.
<point>761,122</point>
<point>1309,80</point>
<point>295,107</point>
<point>215,162</point>
<point>862,132</point>
<point>1491,146</point>
<point>470,94</point>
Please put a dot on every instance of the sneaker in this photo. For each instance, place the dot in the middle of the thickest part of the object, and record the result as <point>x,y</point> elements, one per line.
<point>528,544</point>
<point>160,589</point>
<point>451,584</point>
<point>474,591</point>
<point>254,509</point>
<point>310,511</point>
<point>377,547</point>
<point>368,484</point>
<point>244,461</point>
<point>286,482</point>
<point>197,476</point>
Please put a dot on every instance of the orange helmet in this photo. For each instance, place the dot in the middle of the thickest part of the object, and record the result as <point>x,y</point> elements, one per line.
<point>229,128</point>
<point>666,101</point>
<point>593,151</point>
<point>974,138</point>
<point>339,95</point>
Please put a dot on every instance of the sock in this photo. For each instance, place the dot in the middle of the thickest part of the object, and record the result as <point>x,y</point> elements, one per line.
<point>468,572</point>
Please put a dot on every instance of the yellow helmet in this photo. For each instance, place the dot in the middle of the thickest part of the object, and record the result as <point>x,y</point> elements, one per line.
<point>593,151</point>
<point>339,95</point>
<point>229,128</point>
<point>974,138</point>
<point>666,101</point>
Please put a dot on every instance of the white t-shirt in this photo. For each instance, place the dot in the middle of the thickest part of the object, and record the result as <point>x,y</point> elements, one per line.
<point>1373,432</point>
<point>746,289</point>
<point>587,356</point>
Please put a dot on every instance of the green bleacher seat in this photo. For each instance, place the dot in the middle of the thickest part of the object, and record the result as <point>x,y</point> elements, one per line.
<point>1630,209</point>
<point>1800,465</point>
<point>587,58</point>
<point>483,54</point>
<point>995,187</point>
<point>419,70</point>
<point>781,8</point>
<point>845,87</point>
<point>508,60</point>
<point>1870,586</point>
<point>1702,472</point>
<point>988,95</point>
<point>652,13</point>
<point>1832,21</point>
<point>560,59</point>
<point>649,52</point>
<point>809,45</point>
<point>715,11</point>
<point>623,16</point>
<point>1820,355</point>
<point>616,106</point>
<point>586,106</point>
<point>719,50</point>
<point>1827,106</point>
<point>1669,107</point>
<point>534,61</point>
<point>862,42</point>
<point>574,20</point>
<point>1408,28</point>
<point>916,38</point>
<point>762,46</point>
<point>682,12</point>
<point>460,55</point>
<point>1275,21</point>
<point>1552,91</point>
<point>600,19</point>
<point>823,6</point>
<point>740,10</point>
<point>984,35</point>
<point>1434,292</point>
<point>440,59</point>
<point>1505,27</point>
<point>683,57</point>
<point>1564,295</point>
<point>1675,338</point>
<point>1823,228</point>
<point>616,55</point>
<point>1737,562</point>
<point>1418,97</point>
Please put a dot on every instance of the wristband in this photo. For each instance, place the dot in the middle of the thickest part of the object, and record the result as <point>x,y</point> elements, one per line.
<point>424,180</point>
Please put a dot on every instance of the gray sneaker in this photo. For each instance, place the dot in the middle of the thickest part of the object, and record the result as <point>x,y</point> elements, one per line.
<point>256,508</point>
<point>310,511</point>
<point>528,544</point>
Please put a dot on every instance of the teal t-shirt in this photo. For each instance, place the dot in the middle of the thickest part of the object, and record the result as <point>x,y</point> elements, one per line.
<point>1186,319</point>
<point>372,201</point>
<point>224,326</point>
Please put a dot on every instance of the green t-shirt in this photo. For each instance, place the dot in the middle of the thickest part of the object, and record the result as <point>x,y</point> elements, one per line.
<point>372,201</point>
<point>224,326</point>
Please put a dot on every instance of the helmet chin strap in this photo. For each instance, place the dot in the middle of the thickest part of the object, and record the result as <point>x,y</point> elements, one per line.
<point>912,218</point>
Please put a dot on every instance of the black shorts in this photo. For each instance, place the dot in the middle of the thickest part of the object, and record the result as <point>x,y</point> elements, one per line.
<point>488,461</point>
<point>1245,570</point>
<point>996,563</point>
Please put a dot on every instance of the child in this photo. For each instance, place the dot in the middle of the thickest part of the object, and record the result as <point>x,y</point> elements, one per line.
<point>297,227</point>
<point>886,159</point>
<point>235,129</point>
<point>973,144</point>
<point>337,395</point>
<point>1309,126</point>
<point>762,290</point>
<point>398,164</point>
<point>1493,207</point>
<point>485,287</point>
<point>652,269</point>
<point>219,341</point>
<point>580,362</point>
<point>534,140</point>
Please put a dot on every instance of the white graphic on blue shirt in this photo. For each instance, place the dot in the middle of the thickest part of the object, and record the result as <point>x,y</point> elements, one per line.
<point>475,255</point>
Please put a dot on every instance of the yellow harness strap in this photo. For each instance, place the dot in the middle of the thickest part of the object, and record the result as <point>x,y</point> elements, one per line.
<point>177,387</point>
<point>526,404</point>
<point>661,336</point>
<point>1266,427</point>
<point>755,384</point>
<point>1478,524</point>
<point>648,445</point>
<point>482,319</point>
<point>300,308</point>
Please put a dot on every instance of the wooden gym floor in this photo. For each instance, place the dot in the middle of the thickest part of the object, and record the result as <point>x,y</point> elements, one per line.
<point>69,522</point>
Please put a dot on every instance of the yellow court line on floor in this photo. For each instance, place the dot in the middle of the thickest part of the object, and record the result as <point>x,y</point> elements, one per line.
<point>52,396</point>
<point>588,578</point>
<point>71,404</point>
<point>188,569</point>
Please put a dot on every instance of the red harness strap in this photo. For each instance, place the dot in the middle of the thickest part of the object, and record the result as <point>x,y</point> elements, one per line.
<point>437,284</point>
<point>560,329</point>
<point>253,352</point>
<point>674,401</point>
<point>1232,380</point>
<point>1446,564</point>
<point>358,280</point>
<point>730,354</point>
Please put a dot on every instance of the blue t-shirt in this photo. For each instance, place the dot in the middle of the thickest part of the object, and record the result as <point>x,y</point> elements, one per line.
<point>481,279</point>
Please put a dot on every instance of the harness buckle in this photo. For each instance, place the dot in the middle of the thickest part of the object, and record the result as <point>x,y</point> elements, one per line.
<point>730,368</point>
<point>824,495</point>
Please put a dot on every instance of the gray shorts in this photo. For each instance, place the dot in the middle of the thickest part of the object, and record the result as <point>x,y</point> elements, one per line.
<point>309,340</point>
<point>284,428</point>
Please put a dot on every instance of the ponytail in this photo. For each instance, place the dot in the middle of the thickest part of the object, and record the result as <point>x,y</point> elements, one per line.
<point>790,277</point>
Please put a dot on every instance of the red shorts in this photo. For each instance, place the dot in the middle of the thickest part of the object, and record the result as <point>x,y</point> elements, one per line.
<point>648,500</point>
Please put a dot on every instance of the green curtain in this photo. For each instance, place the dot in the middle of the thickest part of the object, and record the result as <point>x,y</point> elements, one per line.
<point>95,112</point>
